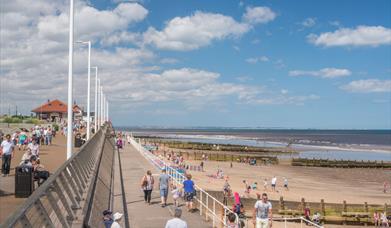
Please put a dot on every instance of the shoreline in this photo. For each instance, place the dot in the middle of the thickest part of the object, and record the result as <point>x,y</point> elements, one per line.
<point>301,151</point>
<point>255,141</point>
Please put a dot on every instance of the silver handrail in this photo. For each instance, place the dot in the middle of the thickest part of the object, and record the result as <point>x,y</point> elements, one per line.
<point>301,218</point>
<point>179,177</point>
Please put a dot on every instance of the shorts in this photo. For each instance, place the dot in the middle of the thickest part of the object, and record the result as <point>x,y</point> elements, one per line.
<point>22,142</point>
<point>285,185</point>
<point>273,185</point>
<point>163,192</point>
<point>262,223</point>
<point>189,196</point>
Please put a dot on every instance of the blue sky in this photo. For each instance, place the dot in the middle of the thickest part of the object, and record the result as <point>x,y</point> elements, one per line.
<point>272,63</point>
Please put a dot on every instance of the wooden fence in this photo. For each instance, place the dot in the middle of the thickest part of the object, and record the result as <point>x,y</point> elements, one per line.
<point>340,163</point>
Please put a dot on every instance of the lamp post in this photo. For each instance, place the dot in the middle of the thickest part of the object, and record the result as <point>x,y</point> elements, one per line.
<point>107,111</point>
<point>104,109</point>
<point>88,87</point>
<point>101,105</point>
<point>96,98</point>
<point>98,104</point>
<point>70,83</point>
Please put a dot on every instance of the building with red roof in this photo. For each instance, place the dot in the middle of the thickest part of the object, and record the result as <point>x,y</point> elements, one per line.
<point>56,111</point>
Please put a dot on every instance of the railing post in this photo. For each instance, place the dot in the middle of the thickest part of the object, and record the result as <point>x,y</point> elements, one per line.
<point>214,213</point>
<point>206,206</point>
<point>201,202</point>
<point>64,201</point>
<point>57,209</point>
<point>43,214</point>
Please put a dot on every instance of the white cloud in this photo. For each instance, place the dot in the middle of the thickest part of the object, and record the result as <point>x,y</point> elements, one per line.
<point>192,32</point>
<point>257,59</point>
<point>323,73</point>
<point>122,37</point>
<point>185,84</point>
<point>34,56</point>
<point>360,36</point>
<point>284,99</point>
<point>368,86</point>
<point>257,15</point>
<point>308,22</point>
<point>34,48</point>
<point>91,23</point>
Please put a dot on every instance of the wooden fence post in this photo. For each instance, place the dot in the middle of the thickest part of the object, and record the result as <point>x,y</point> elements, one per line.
<point>322,207</point>
<point>282,206</point>
<point>345,209</point>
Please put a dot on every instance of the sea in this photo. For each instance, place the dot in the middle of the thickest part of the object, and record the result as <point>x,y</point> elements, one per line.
<point>310,143</point>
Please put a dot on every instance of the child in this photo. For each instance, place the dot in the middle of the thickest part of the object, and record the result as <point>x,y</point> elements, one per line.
<point>254,186</point>
<point>175,195</point>
<point>231,221</point>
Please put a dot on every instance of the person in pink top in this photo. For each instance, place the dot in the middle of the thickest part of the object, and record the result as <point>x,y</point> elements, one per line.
<point>376,219</point>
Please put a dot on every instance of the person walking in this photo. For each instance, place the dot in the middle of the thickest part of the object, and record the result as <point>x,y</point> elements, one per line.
<point>262,214</point>
<point>34,147</point>
<point>286,184</point>
<point>227,191</point>
<point>164,179</point>
<point>188,186</point>
<point>176,222</point>
<point>117,218</point>
<point>274,183</point>
<point>7,152</point>
<point>147,185</point>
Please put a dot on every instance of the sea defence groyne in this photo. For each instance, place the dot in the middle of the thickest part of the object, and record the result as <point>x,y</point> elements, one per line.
<point>333,163</point>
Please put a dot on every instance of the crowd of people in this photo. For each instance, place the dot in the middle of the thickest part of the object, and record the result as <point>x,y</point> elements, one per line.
<point>262,216</point>
<point>28,141</point>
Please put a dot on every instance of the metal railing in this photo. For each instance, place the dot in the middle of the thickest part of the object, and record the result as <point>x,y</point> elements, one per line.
<point>61,199</point>
<point>287,221</point>
<point>208,205</point>
<point>301,219</point>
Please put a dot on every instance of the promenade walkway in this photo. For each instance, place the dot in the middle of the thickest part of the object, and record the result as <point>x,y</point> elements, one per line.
<point>51,156</point>
<point>142,215</point>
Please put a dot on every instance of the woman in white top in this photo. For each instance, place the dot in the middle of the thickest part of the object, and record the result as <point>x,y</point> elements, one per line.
<point>116,217</point>
<point>147,185</point>
<point>34,147</point>
<point>384,220</point>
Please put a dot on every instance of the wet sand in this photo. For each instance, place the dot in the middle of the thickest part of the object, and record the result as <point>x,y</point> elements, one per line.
<point>52,157</point>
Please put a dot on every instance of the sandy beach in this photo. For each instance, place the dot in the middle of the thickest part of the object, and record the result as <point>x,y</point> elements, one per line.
<point>333,185</point>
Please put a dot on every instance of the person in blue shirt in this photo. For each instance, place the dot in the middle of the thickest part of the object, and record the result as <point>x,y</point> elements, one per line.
<point>107,218</point>
<point>190,192</point>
